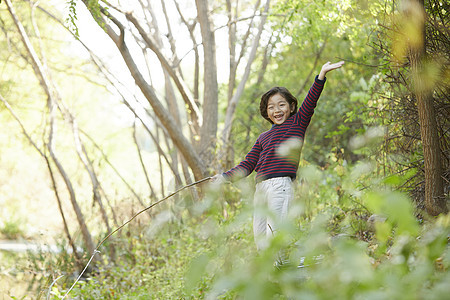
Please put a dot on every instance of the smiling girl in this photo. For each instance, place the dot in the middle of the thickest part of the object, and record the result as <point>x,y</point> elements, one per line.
<point>275,168</point>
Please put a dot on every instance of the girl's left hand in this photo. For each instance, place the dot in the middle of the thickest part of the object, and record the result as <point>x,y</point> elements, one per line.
<point>329,67</point>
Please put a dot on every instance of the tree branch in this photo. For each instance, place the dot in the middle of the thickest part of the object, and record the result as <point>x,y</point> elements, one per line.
<point>177,136</point>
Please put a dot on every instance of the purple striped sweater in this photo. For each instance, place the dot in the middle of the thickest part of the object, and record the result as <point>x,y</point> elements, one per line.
<point>265,157</point>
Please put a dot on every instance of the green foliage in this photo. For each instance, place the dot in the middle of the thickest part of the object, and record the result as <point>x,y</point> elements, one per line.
<point>94,8</point>
<point>341,256</point>
<point>147,266</point>
<point>307,35</point>
<point>13,224</point>
<point>72,17</point>
<point>11,229</point>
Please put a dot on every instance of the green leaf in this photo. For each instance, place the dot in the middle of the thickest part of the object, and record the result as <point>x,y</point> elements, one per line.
<point>196,271</point>
<point>397,207</point>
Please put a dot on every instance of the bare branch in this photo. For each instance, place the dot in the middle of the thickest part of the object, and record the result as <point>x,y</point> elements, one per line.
<point>191,28</point>
<point>177,80</point>
<point>52,177</point>
<point>234,101</point>
<point>177,136</point>
<point>175,59</point>
<point>247,34</point>
<point>141,160</point>
<point>46,85</point>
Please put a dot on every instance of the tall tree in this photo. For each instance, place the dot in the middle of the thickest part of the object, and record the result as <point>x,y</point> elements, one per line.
<point>435,202</point>
<point>210,95</point>
<point>415,48</point>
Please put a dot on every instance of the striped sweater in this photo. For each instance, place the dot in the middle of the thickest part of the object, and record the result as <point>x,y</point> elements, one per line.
<point>270,156</point>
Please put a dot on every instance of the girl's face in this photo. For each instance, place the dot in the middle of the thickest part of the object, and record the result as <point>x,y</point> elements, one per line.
<point>278,109</point>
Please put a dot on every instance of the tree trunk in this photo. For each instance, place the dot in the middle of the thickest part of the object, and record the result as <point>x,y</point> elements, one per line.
<point>152,194</point>
<point>434,189</point>
<point>169,91</point>
<point>195,129</point>
<point>208,130</point>
<point>232,49</point>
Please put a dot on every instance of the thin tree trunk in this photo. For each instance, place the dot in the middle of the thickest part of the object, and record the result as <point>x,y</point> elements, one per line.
<point>247,34</point>
<point>182,88</point>
<point>208,130</point>
<point>243,47</point>
<point>141,160</point>
<point>434,189</point>
<point>173,163</point>
<point>70,119</point>
<point>84,230</point>
<point>46,85</point>
<point>84,158</point>
<point>262,71</point>
<point>232,49</point>
<point>195,129</point>
<point>240,89</point>
<point>61,211</point>
<point>169,91</point>
<point>173,109</point>
<point>52,177</point>
<point>161,171</point>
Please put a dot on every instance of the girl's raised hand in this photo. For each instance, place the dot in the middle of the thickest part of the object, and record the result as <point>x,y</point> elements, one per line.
<point>327,67</point>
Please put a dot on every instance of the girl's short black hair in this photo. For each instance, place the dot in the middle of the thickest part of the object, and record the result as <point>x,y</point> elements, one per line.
<point>284,92</point>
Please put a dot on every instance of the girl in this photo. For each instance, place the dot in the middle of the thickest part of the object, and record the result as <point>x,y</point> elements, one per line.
<point>271,155</point>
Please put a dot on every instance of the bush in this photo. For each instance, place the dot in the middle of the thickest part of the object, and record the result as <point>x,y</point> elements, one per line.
<point>333,252</point>
<point>350,234</point>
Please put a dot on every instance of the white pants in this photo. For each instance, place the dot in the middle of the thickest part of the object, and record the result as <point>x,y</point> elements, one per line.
<point>272,199</point>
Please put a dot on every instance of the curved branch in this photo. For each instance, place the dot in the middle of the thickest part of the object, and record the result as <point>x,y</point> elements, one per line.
<point>182,88</point>
<point>174,131</point>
